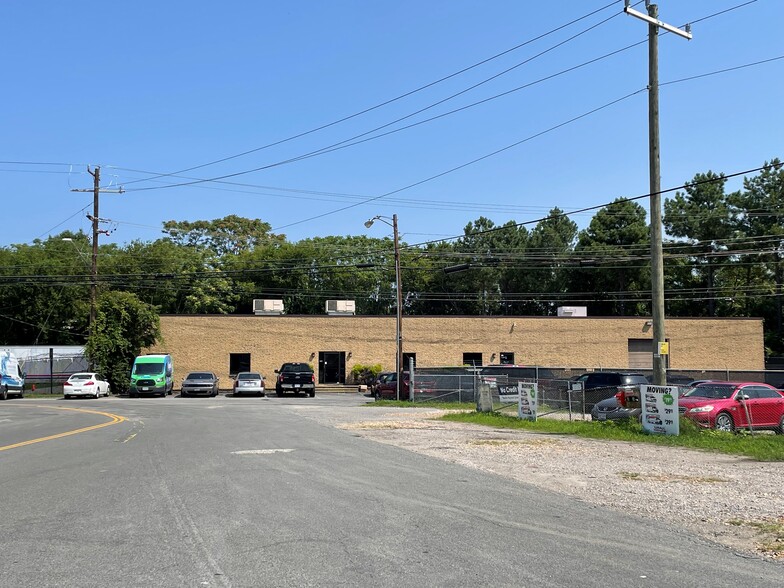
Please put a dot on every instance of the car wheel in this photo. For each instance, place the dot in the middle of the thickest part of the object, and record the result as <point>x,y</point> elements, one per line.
<point>312,394</point>
<point>184,394</point>
<point>97,394</point>
<point>780,429</point>
<point>724,422</point>
<point>4,393</point>
<point>278,394</point>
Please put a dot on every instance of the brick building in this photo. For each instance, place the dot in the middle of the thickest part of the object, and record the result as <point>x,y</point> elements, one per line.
<point>226,344</point>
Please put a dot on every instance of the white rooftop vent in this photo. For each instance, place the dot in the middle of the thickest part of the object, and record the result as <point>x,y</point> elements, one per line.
<point>341,306</point>
<point>572,311</point>
<point>267,306</point>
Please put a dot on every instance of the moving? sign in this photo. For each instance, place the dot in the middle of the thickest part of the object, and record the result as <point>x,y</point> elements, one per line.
<point>660,409</point>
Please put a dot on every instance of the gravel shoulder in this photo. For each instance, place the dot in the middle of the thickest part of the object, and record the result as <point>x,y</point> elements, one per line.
<point>723,498</point>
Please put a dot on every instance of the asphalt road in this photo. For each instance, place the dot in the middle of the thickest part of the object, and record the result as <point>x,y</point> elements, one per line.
<point>254,492</point>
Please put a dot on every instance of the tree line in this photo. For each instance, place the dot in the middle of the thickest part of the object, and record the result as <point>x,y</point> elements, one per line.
<point>722,258</point>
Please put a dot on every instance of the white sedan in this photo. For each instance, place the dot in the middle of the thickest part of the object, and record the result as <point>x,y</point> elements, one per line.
<point>85,384</point>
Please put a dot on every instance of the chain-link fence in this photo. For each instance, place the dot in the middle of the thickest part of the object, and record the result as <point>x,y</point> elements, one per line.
<point>561,392</point>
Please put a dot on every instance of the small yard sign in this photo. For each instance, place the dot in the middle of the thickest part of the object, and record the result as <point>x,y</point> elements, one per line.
<point>660,409</point>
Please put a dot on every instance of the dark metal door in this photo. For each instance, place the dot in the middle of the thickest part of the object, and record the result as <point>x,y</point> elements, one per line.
<point>332,367</point>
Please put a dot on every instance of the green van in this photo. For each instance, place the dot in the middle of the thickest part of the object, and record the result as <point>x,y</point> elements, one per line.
<point>152,374</point>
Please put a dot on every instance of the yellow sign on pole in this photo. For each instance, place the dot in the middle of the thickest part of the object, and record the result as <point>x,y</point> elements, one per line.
<point>664,348</point>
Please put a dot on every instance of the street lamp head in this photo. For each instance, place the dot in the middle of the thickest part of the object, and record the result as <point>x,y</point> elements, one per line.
<point>369,223</point>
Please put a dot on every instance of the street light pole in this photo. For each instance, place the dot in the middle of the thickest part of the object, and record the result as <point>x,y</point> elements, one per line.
<point>399,367</point>
<point>399,308</point>
<point>657,257</point>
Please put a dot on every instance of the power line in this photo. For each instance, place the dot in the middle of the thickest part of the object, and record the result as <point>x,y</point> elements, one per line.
<point>391,100</point>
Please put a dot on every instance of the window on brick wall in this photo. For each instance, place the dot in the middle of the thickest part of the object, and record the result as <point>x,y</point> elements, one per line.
<point>238,362</point>
<point>506,357</point>
<point>472,359</point>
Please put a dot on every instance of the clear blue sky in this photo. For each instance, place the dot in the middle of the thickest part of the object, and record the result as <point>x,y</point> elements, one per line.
<point>144,88</point>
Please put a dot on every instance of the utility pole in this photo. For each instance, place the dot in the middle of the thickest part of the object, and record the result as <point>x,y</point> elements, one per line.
<point>94,263</point>
<point>657,258</point>
<point>96,190</point>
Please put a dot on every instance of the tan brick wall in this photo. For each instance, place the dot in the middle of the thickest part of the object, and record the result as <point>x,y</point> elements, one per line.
<point>205,342</point>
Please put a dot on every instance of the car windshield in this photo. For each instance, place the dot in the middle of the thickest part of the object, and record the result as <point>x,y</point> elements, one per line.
<point>296,367</point>
<point>81,377</point>
<point>249,376</point>
<point>148,369</point>
<point>716,391</point>
<point>199,376</point>
<point>635,379</point>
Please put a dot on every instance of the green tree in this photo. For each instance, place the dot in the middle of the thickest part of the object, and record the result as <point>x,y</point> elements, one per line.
<point>124,325</point>
<point>44,288</point>
<point>477,290</point>
<point>705,217</point>
<point>761,205</point>
<point>229,235</point>
<point>613,250</point>
<point>544,273</point>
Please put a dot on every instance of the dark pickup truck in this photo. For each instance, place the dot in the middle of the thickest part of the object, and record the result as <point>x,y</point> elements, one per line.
<point>295,378</point>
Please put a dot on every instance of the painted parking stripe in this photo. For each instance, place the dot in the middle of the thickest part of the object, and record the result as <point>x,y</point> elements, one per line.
<point>261,451</point>
<point>115,419</point>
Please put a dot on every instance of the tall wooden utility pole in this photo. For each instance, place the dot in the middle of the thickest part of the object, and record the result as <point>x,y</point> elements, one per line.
<point>657,257</point>
<point>96,190</point>
<point>94,263</point>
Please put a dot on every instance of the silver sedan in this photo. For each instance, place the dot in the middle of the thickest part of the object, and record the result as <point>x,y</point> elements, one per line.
<point>249,383</point>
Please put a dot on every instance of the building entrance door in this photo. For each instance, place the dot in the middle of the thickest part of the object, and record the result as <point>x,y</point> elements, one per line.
<point>332,367</point>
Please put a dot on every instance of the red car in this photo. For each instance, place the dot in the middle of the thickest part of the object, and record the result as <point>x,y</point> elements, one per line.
<point>727,406</point>
<point>387,389</point>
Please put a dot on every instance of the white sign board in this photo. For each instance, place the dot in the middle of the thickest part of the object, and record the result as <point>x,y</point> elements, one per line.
<point>660,409</point>
<point>528,400</point>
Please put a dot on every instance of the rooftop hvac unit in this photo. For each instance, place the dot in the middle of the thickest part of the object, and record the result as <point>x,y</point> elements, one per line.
<point>572,311</point>
<point>341,307</point>
<point>267,306</point>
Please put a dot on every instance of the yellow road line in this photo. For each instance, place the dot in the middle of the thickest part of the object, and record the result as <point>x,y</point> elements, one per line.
<point>116,419</point>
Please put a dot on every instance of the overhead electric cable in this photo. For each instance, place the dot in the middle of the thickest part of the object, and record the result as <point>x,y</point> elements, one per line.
<point>343,143</point>
<point>391,100</point>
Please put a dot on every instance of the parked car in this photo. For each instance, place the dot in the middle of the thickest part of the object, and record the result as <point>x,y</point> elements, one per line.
<point>295,377</point>
<point>598,386</point>
<point>380,379</point>
<point>199,383</point>
<point>85,384</point>
<point>610,409</point>
<point>248,383</point>
<point>727,406</point>
<point>387,390</point>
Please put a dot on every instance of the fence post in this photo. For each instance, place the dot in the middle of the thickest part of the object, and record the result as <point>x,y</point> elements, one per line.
<point>484,400</point>
<point>411,379</point>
